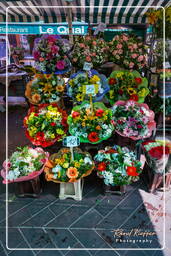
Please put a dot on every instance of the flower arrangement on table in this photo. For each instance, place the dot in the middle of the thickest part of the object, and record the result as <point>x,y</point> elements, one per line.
<point>92,124</point>
<point>89,49</point>
<point>50,54</point>
<point>24,164</point>
<point>45,124</point>
<point>78,81</point>
<point>125,85</point>
<point>128,51</point>
<point>45,89</point>
<point>157,154</point>
<point>133,120</point>
<point>62,168</point>
<point>118,166</point>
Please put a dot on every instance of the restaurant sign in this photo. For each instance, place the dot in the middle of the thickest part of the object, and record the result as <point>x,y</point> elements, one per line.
<point>78,28</point>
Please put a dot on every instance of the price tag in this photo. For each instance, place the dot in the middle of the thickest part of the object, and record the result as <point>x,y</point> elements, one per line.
<point>71,141</point>
<point>90,89</point>
<point>87,66</point>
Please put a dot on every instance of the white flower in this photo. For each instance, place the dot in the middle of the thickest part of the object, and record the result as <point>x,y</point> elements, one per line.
<point>56,169</point>
<point>87,160</point>
<point>11,175</point>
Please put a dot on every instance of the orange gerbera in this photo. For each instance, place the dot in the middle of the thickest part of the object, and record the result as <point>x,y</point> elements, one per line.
<point>47,87</point>
<point>60,88</point>
<point>36,97</point>
<point>72,173</point>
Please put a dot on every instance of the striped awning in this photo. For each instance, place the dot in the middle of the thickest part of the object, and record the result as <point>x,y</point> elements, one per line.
<point>90,11</point>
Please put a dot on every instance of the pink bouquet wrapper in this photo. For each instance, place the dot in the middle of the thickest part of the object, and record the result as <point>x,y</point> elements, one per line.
<point>151,124</point>
<point>30,176</point>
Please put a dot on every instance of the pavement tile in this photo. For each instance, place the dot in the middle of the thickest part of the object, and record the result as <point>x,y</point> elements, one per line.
<point>68,217</point>
<point>49,253</point>
<point>40,219</point>
<point>88,220</point>
<point>61,238</point>
<point>3,251</point>
<point>106,253</point>
<point>78,253</point>
<point>89,238</point>
<point>58,208</point>
<point>14,237</point>
<point>37,238</point>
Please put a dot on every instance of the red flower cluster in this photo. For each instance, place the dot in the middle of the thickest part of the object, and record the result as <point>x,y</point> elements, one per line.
<point>112,81</point>
<point>134,97</point>
<point>99,112</point>
<point>138,80</point>
<point>93,137</point>
<point>158,152</point>
<point>75,114</point>
<point>101,167</point>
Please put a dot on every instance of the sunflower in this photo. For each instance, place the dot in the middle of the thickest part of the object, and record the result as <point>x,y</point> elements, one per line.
<point>79,97</point>
<point>36,98</point>
<point>47,87</point>
<point>60,88</point>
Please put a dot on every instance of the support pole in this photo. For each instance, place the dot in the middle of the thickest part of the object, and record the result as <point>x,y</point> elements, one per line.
<point>69,14</point>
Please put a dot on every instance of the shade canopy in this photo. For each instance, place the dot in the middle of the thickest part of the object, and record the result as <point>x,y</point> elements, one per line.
<point>91,11</point>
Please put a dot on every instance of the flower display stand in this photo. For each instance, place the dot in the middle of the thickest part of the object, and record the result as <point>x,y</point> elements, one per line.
<point>30,188</point>
<point>117,190</point>
<point>71,190</point>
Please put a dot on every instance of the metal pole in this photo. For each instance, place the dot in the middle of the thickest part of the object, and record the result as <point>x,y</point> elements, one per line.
<point>69,14</point>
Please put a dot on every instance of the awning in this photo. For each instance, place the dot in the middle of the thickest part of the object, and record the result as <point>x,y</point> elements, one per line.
<point>96,11</point>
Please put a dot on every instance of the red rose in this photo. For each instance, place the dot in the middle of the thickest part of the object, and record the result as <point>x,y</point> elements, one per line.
<point>40,136</point>
<point>120,91</point>
<point>93,137</point>
<point>99,112</point>
<point>53,124</point>
<point>132,171</point>
<point>120,122</point>
<point>101,167</point>
<point>36,114</point>
<point>138,80</point>
<point>134,97</point>
<point>75,114</point>
<point>112,81</point>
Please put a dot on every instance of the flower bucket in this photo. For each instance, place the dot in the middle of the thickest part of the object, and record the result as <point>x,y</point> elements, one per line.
<point>116,190</point>
<point>167,89</point>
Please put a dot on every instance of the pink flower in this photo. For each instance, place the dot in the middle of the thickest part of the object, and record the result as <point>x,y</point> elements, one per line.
<point>54,49</point>
<point>36,55</point>
<point>43,160</point>
<point>127,131</point>
<point>6,165</point>
<point>131,64</point>
<point>139,126</point>
<point>135,46</point>
<point>140,58</point>
<point>51,39</point>
<point>49,55</point>
<point>82,45</point>
<point>60,65</point>
<point>117,37</point>
<point>125,38</point>
<point>120,51</point>
<point>88,38</point>
<point>94,54</point>
<point>134,55</point>
<point>88,58</point>
<point>94,43</point>
<point>119,46</point>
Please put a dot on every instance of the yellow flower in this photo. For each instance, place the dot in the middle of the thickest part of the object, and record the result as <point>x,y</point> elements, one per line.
<point>111,92</point>
<point>94,79</point>
<point>60,131</point>
<point>142,92</point>
<point>83,124</point>
<point>71,82</point>
<point>65,165</point>
<point>77,164</point>
<point>47,87</point>
<point>79,97</point>
<point>59,174</point>
<point>60,88</point>
<point>131,91</point>
<point>120,74</point>
<point>52,136</point>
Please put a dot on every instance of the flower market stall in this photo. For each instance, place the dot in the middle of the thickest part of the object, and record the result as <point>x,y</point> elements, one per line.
<point>81,113</point>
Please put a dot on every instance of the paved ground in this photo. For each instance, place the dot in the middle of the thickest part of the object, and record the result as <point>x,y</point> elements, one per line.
<point>49,223</point>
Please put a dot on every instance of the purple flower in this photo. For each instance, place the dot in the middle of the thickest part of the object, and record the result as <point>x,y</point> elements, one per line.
<point>60,65</point>
<point>54,49</point>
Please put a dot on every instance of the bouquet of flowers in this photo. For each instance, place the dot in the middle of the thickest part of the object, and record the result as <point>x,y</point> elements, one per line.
<point>128,51</point>
<point>50,54</point>
<point>133,120</point>
<point>157,154</point>
<point>45,89</point>
<point>89,49</point>
<point>125,85</point>
<point>24,164</point>
<point>118,166</point>
<point>78,81</point>
<point>91,124</point>
<point>45,124</point>
<point>62,168</point>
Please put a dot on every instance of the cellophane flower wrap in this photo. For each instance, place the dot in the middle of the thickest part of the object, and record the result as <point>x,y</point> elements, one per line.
<point>45,88</point>
<point>89,49</point>
<point>78,81</point>
<point>128,51</point>
<point>118,166</point>
<point>133,120</point>
<point>91,126</point>
<point>45,124</point>
<point>62,168</point>
<point>51,55</point>
<point>125,85</point>
<point>24,164</point>
<point>157,154</point>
